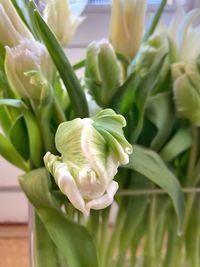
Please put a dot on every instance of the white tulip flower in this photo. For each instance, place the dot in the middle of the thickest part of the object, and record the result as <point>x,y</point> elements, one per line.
<point>64,19</point>
<point>91,151</point>
<point>184,34</point>
<point>12,28</point>
<point>127,25</point>
<point>29,69</point>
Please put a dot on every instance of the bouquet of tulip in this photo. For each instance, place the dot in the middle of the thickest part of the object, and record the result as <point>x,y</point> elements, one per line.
<point>99,152</point>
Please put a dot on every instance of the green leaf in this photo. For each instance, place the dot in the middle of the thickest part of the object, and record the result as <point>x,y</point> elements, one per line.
<point>79,65</point>
<point>196,175</point>
<point>34,134</point>
<point>8,151</point>
<point>160,112</point>
<point>25,10</point>
<point>138,92</point>
<point>15,103</point>
<point>5,120</point>
<point>10,111</point>
<point>179,143</point>
<point>5,90</point>
<point>71,239</point>
<point>19,137</point>
<point>46,251</point>
<point>148,163</point>
<point>123,59</point>
<point>67,74</point>
<point>35,140</point>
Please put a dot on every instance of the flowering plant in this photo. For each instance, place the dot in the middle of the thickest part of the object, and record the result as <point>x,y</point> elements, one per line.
<point>142,134</point>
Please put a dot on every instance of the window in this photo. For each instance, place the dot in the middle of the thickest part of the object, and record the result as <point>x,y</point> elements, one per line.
<point>104,2</point>
<point>189,4</point>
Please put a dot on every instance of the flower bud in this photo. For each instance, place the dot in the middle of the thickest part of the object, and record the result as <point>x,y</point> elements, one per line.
<point>187,90</point>
<point>156,53</point>
<point>63,19</point>
<point>29,70</point>
<point>103,72</point>
<point>91,151</point>
<point>127,25</point>
<point>12,28</point>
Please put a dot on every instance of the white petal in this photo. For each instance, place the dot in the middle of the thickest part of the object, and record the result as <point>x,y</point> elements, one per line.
<point>12,28</point>
<point>104,201</point>
<point>68,186</point>
<point>181,36</point>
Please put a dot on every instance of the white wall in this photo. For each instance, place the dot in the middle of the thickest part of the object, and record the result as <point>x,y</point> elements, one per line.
<point>13,204</point>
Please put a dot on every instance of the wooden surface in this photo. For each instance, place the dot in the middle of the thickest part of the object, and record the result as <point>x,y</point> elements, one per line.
<point>14,245</point>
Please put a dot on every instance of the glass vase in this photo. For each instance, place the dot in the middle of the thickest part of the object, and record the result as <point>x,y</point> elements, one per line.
<point>140,230</point>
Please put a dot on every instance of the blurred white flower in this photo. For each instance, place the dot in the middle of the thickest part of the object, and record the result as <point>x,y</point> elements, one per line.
<point>12,28</point>
<point>91,152</point>
<point>29,69</point>
<point>64,18</point>
<point>127,25</point>
<point>184,34</point>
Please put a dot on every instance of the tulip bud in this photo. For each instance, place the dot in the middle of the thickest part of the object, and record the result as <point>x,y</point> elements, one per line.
<point>127,25</point>
<point>12,28</point>
<point>29,70</point>
<point>157,51</point>
<point>187,90</point>
<point>63,22</point>
<point>91,151</point>
<point>103,72</point>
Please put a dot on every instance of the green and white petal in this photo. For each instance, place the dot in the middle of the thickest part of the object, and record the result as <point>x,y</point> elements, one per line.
<point>68,140</point>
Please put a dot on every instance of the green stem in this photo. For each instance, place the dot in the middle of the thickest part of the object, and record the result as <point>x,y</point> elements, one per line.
<point>193,253</point>
<point>192,237</point>
<point>131,224</point>
<point>161,231</point>
<point>190,202</point>
<point>79,65</point>
<point>104,235</point>
<point>193,155</point>
<point>152,233</point>
<point>190,176</point>
<point>93,225</point>
<point>139,127</point>
<point>137,240</point>
<point>112,246</point>
<point>155,21</point>
<point>47,136</point>
<point>173,255</point>
<point>59,111</point>
<point>150,257</point>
